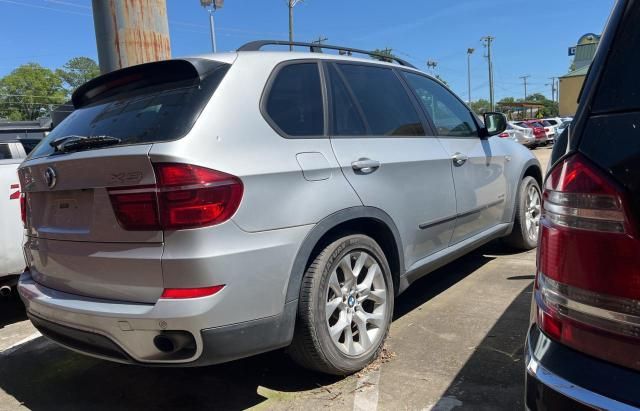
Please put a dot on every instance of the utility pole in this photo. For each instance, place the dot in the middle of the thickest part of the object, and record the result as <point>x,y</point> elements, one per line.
<point>320,40</point>
<point>291,4</point>
<point>431,65</point>
<point>553,88</point>
<point>469,53</point>
<point>119,26</point>
<point>487,43</point>
<point>524,79</point>
<point>212,6</point>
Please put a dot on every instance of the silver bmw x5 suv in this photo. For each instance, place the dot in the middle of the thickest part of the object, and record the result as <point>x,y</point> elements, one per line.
<point>199,210</point>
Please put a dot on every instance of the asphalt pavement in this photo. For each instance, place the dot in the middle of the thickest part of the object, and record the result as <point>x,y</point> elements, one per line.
<point>456,342</point>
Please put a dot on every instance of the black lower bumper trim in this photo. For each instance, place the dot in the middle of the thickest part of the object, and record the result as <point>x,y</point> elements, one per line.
<point>590,374</point>
<point>84,341</point>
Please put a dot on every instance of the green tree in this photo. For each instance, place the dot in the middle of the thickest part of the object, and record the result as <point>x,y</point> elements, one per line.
<point>550,108</point>
<point>507,100</point>
<point>78,71</point>
<point>443,80</point>
<point>29,92</point>
<point>384,53</point>
<point>480,106</point>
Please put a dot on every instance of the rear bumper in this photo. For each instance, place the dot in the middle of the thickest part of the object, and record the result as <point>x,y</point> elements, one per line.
<point>247,316</point>
<point>559,378</point>
<point>124,332</point>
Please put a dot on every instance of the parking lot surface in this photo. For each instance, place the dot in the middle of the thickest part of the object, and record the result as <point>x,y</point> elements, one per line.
<point>456,343</point>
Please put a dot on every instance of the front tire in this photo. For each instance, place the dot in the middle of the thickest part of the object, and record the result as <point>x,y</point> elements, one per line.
<point>527,219</point>
<point>345,307</point>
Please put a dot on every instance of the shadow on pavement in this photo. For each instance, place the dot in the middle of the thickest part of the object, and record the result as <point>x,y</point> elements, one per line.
<point>440,280</point>
<point>42,375</point>
<point>11,310</point>
<point>493,378</point>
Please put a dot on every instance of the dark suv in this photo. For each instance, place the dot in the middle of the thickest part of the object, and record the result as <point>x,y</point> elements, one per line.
<point>583,347</point>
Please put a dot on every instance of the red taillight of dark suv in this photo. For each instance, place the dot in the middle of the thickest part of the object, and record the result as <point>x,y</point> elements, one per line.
<point>587,288</point>
<point>185,196</point>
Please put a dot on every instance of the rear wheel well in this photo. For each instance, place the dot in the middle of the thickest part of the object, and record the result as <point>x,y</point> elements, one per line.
<point>535,172</point>
<point>371,227</point>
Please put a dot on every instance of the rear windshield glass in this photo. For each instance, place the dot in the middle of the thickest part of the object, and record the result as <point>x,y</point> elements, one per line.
<point>159,113</point>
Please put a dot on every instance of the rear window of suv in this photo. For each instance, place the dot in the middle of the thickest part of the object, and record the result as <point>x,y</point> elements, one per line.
<point>152,113</point>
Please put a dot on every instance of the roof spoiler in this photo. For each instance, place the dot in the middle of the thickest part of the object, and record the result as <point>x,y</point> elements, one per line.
<point>143,75</point>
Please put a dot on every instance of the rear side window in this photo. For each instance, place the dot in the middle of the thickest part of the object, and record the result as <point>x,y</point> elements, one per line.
<point>387,107</point>
<point>5,152</point>
<point>347,120</point>
<point>294,103</point>
<point>150,114</point>
<point>449,115</point>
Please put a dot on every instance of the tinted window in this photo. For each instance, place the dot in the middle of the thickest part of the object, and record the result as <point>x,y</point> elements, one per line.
<point>346,116</point>
<point>387,107</point>
<point>161,113</point>
<point>295,100</point>
<point>619,88</point>
<point>449,115</point>
<point>5,153</point>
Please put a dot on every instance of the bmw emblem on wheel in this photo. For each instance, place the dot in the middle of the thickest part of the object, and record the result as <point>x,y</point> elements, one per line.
<point>50,177</point>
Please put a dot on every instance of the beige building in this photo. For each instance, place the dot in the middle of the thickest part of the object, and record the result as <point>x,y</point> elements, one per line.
<point>571,83</point>
<point>570,86</point>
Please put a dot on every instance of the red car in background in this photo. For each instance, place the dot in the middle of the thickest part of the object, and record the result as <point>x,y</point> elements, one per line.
<point>538,131</point>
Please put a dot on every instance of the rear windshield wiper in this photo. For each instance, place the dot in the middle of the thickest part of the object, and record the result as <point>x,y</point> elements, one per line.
<point>73,142</point>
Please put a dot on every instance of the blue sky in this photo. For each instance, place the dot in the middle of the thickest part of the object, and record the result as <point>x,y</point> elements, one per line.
<point>531,37</point>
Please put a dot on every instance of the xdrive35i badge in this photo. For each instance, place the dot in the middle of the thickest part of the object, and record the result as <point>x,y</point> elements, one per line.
<point>50,177</point>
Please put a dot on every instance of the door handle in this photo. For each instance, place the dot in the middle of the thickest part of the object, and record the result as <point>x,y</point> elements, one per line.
<point>459,159</point>
<point>365,165</point>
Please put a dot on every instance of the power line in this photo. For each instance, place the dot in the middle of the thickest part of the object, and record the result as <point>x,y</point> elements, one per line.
<point>524,79</point>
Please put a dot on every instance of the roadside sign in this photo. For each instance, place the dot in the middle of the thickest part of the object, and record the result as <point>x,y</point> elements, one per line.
<point>572,51</point>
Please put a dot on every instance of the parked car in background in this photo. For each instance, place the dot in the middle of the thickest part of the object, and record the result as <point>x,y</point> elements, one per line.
<point>583,345</point>
<point>549,129</point>
<point>199,210</point>
<point>562,127</point>
<point>522,135</point>
<point>538,131</point>
<point>12,153</point>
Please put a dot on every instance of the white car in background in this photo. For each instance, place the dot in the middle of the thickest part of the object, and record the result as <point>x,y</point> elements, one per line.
<point>522,135</point>
<point>562,127</point>
<point>549,129</point>
<point>12,153</point>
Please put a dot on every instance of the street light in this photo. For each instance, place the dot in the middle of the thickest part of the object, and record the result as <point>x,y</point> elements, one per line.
<point>469,53</point>
<point>212,6</point>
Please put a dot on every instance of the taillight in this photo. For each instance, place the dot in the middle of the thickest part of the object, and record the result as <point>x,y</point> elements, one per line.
<point>503,135</point>
<point>185,196</point>
<point>588,283</point>
<point>23,208</point>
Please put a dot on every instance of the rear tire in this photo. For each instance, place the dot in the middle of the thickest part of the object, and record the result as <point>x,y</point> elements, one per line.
<point>527,219</point>
<point>345,307</point>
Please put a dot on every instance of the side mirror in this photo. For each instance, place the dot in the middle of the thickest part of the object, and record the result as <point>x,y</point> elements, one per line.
<point>494,123</point>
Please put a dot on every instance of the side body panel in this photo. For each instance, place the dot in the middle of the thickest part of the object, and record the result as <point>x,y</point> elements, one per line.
<point>11,256</point>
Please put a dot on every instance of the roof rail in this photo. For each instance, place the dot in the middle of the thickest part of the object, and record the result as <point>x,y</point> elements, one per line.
<point>317,48</point>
